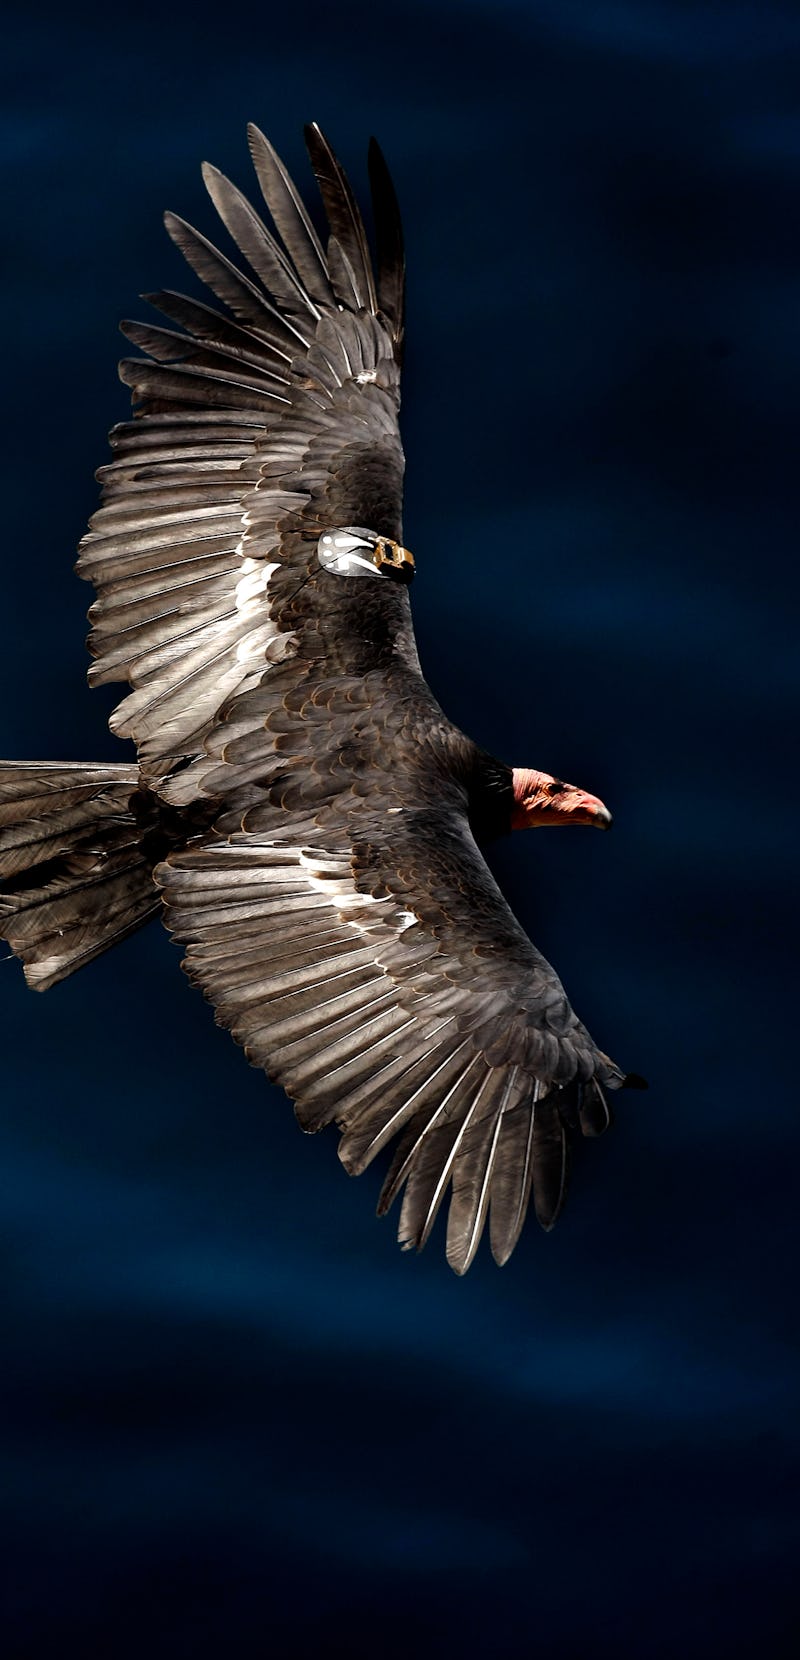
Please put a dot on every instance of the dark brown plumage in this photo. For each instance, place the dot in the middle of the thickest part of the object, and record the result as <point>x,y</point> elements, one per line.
<point>302,811</point>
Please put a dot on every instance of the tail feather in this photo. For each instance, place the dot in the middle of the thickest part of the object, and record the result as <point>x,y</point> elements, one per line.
<point>74,874</point>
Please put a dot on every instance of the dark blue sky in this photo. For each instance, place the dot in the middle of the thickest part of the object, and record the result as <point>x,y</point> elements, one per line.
<point>238,1420</point>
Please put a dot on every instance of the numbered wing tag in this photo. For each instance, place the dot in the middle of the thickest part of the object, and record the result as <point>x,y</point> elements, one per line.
<point>353,551</point>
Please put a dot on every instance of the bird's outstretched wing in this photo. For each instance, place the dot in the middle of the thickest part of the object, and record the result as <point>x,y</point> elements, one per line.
<point>371,966</point>
<point>257,425</point>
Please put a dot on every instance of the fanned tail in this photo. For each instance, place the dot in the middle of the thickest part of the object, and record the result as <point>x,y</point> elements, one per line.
<point>75,875</point>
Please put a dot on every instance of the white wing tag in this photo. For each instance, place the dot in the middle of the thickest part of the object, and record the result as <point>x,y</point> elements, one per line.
<point>352,551</point>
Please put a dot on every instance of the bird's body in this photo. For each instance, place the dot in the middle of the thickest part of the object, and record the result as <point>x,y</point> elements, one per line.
<point>301,809</point>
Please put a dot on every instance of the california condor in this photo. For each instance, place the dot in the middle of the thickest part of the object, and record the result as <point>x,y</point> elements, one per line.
<point>302,813</point>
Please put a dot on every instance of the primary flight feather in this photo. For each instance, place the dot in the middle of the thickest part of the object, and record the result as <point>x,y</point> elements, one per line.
<point>301,812</point>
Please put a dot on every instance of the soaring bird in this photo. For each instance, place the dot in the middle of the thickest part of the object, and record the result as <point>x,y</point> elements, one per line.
<point>301,812</point>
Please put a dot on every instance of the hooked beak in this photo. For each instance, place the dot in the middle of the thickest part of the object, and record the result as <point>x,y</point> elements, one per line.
<point>540,799</point>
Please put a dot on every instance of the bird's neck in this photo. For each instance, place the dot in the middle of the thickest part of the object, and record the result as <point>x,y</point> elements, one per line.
<point>491,798</point>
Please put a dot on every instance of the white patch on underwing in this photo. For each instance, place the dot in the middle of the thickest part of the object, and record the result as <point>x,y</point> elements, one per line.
<point>252,586</point>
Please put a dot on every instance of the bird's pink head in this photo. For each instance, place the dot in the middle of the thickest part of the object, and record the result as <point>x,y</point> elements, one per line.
<point>540,799</point>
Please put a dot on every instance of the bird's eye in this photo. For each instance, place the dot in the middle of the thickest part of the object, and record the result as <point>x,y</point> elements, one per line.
<point>556,787</point>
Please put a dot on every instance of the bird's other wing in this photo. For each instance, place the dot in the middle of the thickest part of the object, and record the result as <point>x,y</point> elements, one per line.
<point>371,966</point>
<point>258,423</point>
